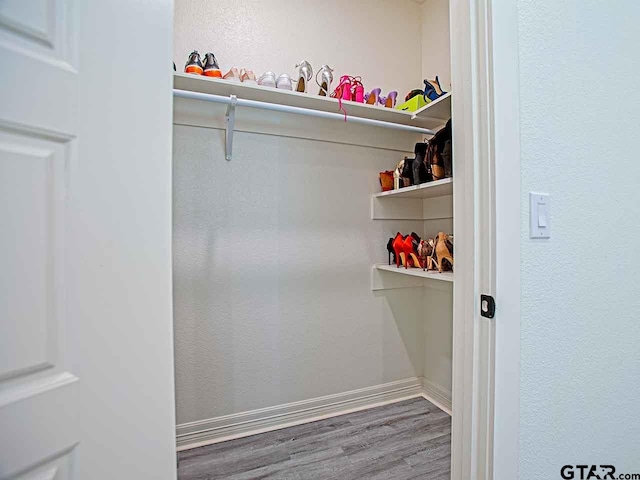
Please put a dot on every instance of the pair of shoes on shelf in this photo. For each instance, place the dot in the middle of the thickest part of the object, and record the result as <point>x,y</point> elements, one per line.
<point>196,66</point>
<point>243,75</point>
<point>210,68</point>
<point>404,249</point>
<point>441,258</point>
<point>433,161</point>
<point>305,73</point>
<point>431,254</point>
<point>432,89</point>
<point>349,88</point>
<point>268,79</point>
<point>374,97</point>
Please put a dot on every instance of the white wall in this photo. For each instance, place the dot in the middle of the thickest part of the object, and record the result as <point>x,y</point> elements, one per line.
<point>580,332</point>
<point>273,250</point>
<point>438,322</point>
<point>379,41</point>
<point>272,259</point>
<point>438,336</point>
<point>436,54</point>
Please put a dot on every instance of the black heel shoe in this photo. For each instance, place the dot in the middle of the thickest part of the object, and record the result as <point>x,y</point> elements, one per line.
<point>407,170</point>
<point>420,173</point>
<point>391,250</point>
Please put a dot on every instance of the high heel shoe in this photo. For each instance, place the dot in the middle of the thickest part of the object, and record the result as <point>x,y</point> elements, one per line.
<point>342,92</point>
<point>343,89</point>
<point>409,253</point>
<point>425,250</point>
<point>415,243</point>
<point>305,73</point>
<point>194,64</point>
<point>436,84</point>
<point>398,249</point>
<point>391,250</point>
<point>443,252</point>
<point>390,100</point>
<point>372,97</point>
<point>432,91</point>
<point>211,67</point>
<point>420,174</point>
<point>357,90</point>
<point>326,73</point>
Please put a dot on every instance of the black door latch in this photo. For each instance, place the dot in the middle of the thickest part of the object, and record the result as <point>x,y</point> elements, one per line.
<point>487,306</point>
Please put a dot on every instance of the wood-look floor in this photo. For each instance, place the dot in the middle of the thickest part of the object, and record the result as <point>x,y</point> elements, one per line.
<point>401,441</point>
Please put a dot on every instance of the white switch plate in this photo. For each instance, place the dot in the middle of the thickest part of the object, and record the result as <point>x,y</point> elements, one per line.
<point>539,215</point>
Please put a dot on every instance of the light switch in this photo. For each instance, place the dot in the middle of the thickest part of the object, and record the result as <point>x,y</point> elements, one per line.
<point>542,220</point>
<point>539,210</point>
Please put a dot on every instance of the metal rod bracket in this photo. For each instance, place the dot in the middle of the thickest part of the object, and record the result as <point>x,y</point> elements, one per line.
<point>230,121</point>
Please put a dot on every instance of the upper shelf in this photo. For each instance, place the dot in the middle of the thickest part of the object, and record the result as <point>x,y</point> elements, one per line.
<point>437,111</point>
<point>425,190</point>
<point>202,84</point>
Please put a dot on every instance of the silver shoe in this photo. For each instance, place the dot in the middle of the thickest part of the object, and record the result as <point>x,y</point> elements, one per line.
<point>326,73</point>
<point>305,73</point>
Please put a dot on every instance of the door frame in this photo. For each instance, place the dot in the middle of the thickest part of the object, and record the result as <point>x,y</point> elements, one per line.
<point>486,358</point>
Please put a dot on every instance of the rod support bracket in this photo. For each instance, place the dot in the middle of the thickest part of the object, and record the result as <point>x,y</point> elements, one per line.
<point>230,121</point>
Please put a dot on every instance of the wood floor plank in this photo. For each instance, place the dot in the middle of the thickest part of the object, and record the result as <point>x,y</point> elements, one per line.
<point>400,441</point>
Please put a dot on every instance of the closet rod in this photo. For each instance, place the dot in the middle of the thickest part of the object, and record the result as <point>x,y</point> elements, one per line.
<point>240,102</point>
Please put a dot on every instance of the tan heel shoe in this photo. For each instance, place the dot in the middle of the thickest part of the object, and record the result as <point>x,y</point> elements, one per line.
<point>443,252</point>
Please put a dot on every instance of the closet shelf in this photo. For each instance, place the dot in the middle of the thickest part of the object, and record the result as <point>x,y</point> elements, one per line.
<point>434,113</point>
<point>438,188</point>
<point>212,86</point>
<point>390,277</point>
<point>416,272</point>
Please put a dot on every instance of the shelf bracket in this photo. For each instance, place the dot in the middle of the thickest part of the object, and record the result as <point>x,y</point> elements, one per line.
<point>230,121</point>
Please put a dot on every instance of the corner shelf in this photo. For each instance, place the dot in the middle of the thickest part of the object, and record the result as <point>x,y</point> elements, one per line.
<point>429,201</point>
<point>385,277</point>
<point>425,190</point>
<point>438,111</point>
<point>202,84</point>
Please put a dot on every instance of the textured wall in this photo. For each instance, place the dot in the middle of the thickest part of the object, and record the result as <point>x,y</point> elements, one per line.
<point>378,40</point>
<point>273,250</point>
<point>436,54</point>
<point>580,331</point>
<point>272,259</point>
<point>438,336</point>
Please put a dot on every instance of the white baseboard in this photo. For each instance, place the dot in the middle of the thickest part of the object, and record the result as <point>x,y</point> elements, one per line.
<point>436,394</point>
<point>237,425</point>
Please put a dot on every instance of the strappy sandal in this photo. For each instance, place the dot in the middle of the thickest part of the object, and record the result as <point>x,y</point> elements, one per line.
<point>443,252</point>
<point>327,78</point>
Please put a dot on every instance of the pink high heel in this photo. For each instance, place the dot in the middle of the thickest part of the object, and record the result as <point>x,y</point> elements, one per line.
<point>357,90</point>
<point>343,90</point>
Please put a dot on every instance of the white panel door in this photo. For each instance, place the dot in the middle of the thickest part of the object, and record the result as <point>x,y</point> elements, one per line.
<point>65,403</point>
<point>38,129</point>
